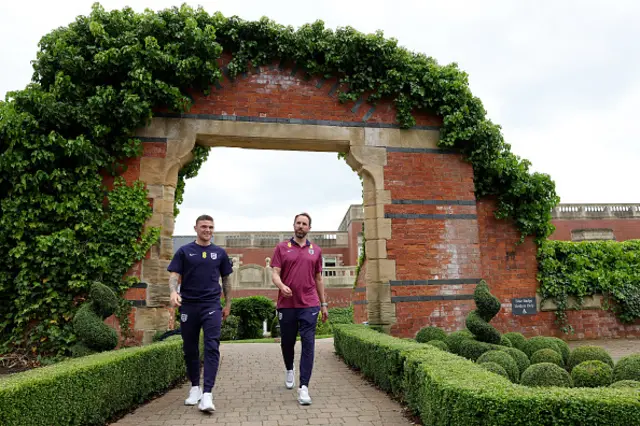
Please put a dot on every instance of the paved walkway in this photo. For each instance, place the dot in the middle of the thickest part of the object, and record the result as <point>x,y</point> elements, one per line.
<point>250,392</point>
<point>617,348</point>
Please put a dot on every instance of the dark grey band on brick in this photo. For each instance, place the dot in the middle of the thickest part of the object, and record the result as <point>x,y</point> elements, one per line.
<point>139,303</point>
<point>140,285</point>
<point>360,302</point>
<point>457,281</point>
<point>320,83</point>
<point>369,114</point>
<point>422,150</point>
<point>430,216</point>
<point>285,120</point>
<point>151,139</point>
<point>334,88</point>
<point>437,202</point>
<point>357,104</point>
<point>360,289</point>
<point>399,299</point>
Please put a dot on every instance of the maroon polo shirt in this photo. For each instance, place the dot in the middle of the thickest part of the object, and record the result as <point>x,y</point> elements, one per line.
<point>298,268</point>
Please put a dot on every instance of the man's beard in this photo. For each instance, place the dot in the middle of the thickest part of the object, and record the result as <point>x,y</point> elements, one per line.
<point>300,234</point>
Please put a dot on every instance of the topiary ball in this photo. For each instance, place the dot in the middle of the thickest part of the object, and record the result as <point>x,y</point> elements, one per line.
<point>519,357</point>
<point>495,368</point>
<point>592,374</point>
<point>517,339</point>
<point>503,359</point>
<point>427,334</point>
<point>472,349</point>
<point>547,355</point>
<point>504,341</point>
<point>625,384</point>
<point>454,339</point>
<point>536,343</point>
<point>588,353</point>
<point>438,344</point>
<point>627,368</point>
<point>564,348</point>
<point>546,374</point>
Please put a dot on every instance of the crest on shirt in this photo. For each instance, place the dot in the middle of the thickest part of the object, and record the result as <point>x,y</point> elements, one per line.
<point>214,256</point>
<point>311,251</point>
<point>184,317</point>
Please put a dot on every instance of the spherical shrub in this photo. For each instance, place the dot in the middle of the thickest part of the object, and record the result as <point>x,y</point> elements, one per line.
<point>504,341</point>
<point>454,339</point>
<point>495,368</point>
<point>547,355</point>
<point>627,368</point>
<point>503,359</point>
<point>536,343</point>
<point>564,348</point>
<point>472,349</point>
<point>588,353</point>
<point>625,384</point>
<point>519,357</point>
<point>517,339</point>
<point>438,344</point>
<point>546,374</point>
<point>592,374</point>
<point>427,334</point>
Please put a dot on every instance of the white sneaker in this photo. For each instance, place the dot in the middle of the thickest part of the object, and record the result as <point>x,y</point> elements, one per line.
<point>206,403</point>
<point>290,379</point>
<point>195,394</point>
<point>303,396</point>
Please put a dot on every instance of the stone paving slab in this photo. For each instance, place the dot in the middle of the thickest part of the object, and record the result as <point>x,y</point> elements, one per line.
<point>617,348</point>
<point>250,392</point>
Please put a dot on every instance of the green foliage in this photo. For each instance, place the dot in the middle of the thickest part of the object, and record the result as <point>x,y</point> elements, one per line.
<point>547,355</point>
<point>536,343</point>
<point>472,349</point>
<point>200,154</point>
<point>252,311</point>
<point>88,323</point>
<point>444,389</point>
<point>92,389</point>
<point>275,329</point>
<point>504,341</point>
<point>519,357</point>
<point>494,368</point>
<point>587,268</point>
<point>627,368</point>
<point>336,316</point>
<point>517,339</point>
<point>564,348</point>
<point>634,384</point>
<point>503,359</point>
<point>588,353</point>
<point>487,306</point>
<point>592,374</point>
<point>544,375</point>
<point>439,344</point>
<point>455,339</point>
<point>229,328</point>
<point>427,334</point>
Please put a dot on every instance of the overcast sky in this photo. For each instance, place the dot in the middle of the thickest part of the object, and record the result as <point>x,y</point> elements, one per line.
<point>561,77</point>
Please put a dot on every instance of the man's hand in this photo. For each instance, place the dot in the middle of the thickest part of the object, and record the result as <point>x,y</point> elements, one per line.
<point>175,299</point>
<point>226,311</point>
<point>286,291</point>
<point>325,313</point>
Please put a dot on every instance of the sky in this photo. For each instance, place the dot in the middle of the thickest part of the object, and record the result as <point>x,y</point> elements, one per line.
<point>561,77</point>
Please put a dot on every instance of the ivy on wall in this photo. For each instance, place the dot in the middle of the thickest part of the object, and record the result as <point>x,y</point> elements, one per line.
<point>609,268</point>
<point>96,81</point>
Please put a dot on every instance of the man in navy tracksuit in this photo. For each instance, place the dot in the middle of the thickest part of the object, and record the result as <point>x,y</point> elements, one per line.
<point>297,272</point>
<point>200,265</point>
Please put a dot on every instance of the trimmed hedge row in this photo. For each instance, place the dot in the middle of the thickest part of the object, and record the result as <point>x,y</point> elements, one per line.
<point>92,389</point>
<point>446,389</point>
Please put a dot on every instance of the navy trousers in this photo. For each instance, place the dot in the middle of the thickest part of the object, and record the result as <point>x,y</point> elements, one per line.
<point>292,321</point>
<point>208,317</point>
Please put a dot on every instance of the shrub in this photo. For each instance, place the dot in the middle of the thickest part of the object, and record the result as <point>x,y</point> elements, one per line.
<point>88,323</point>
<point>341,315</point>
<point>517,339</point>
<point>503,359</point>
<point>252,311</point>
<point>547,355</point>
<point>445,389</point>
<point>487,306</point>
<point>536,343</point>
<point>229,329</point>
<point>453,340</point>
<point>92,389</point>
<point>494,368</point>
<point>439,344</point>
<point>519,357</point>
<point>588,353</point>
<point>564,348</point>
<point>627,368</point>
<point>472,349</point>
<point>274,328</point>
<point>323,328</point>
<point>427,334</point>
<point>545,374</point>
<point>504,341</point>
<point>592,374</point>
<point>625,384</point>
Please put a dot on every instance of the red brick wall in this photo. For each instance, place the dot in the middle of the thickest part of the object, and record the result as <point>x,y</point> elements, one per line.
<point>355,228</point>
<point>359,296</point>
<point>257,255</point>
<point>623,229</point>
<point>336,297</point>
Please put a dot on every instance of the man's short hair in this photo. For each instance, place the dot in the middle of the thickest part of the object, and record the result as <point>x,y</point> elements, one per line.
<point>203,217</point>
<point>302,214</point>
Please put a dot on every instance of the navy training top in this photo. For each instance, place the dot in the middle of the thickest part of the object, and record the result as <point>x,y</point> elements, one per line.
<point>201,268</point>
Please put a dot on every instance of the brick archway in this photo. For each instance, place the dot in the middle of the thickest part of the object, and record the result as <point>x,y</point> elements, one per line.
<point>425,242</point>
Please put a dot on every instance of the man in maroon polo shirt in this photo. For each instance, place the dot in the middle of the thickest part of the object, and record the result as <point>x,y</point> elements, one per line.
<point>297,272</point>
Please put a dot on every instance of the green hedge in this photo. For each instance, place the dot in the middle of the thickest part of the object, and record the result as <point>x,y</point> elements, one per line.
<point>92,389</point>
<point>445,389</point>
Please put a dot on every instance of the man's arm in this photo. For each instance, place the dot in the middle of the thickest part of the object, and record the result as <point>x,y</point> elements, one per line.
<point>323,302</point>
<point>226,290</point>
<point>277,281</point>
<point>174,297</point>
